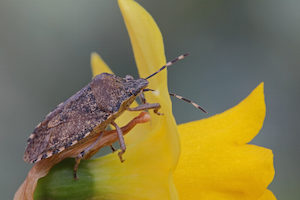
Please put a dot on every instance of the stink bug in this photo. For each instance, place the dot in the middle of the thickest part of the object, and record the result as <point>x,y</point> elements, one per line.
<point>89,112</point>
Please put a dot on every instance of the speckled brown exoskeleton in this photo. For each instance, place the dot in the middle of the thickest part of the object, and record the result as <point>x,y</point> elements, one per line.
<point>89,112</point>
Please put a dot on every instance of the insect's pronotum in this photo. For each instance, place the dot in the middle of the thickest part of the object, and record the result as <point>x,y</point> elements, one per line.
<point>89,112</point>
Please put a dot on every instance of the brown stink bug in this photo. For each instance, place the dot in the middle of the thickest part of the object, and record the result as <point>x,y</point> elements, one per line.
<point>89,112</point>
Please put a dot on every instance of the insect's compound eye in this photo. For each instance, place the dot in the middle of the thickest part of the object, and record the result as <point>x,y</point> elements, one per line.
<point>128,77</point>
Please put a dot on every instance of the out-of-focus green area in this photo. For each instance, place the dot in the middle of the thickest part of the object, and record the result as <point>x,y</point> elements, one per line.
<point>45,49</point>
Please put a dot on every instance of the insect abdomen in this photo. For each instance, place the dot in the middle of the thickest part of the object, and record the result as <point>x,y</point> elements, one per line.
<point>65,126</point>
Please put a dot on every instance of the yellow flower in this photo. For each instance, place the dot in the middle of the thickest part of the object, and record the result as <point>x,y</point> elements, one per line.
<point>215,161</point>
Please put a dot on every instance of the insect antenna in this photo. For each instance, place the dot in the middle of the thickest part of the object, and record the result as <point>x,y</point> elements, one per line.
<point>188,101</point>
<point>179,97</point>
<point>169,64</point>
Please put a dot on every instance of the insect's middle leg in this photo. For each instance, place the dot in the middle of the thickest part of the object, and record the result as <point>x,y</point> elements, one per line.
<point>154,106</point>
<point>121,140</point>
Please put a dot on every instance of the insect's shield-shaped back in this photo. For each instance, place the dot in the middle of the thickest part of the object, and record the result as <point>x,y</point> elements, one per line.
<point>111,91</point>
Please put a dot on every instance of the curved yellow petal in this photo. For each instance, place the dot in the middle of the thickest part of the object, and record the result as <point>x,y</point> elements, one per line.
<point>216,162</point>
<point>98,65</point>
<point>268,195</point>
<point>148,48</point>
<point>238,125</point>
<point>146,40</point>
<point>148,51</point>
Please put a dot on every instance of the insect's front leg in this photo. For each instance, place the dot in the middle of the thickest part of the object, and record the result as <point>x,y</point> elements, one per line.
<point>142,98</point>
<point>154,106</point>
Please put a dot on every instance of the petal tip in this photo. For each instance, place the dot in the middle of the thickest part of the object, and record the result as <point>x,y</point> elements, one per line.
<point>98,65</point>
<point>261,86</point>
<point>94,55</point>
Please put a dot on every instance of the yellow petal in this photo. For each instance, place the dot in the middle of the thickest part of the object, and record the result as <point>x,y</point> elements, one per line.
<point>98,65</point>
<point>216,162</point>
<point>268,195</point>
<point>146,40</point>
<point>238,125</point>
<point>148,49</point>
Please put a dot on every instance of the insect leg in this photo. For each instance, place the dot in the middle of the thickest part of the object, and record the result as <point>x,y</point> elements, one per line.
<point>113,148</point>
<point>75,168</point>
<point>81,155</point>
<point>121,140</point>
<point>142,98</point>
<point>155,106</point>
<point>142,118</point>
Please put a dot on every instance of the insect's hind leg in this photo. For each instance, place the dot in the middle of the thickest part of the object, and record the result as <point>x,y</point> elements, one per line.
<point>109,135</point>
<point>154,106</point>
<point>75,168</point>
<point>121,141</point>
<point>82,154</point>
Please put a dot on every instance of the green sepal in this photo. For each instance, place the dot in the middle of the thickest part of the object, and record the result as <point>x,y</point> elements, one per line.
<point>60,184</point>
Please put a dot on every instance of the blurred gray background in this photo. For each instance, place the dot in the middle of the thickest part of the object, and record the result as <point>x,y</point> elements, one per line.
<point>45,51</point>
